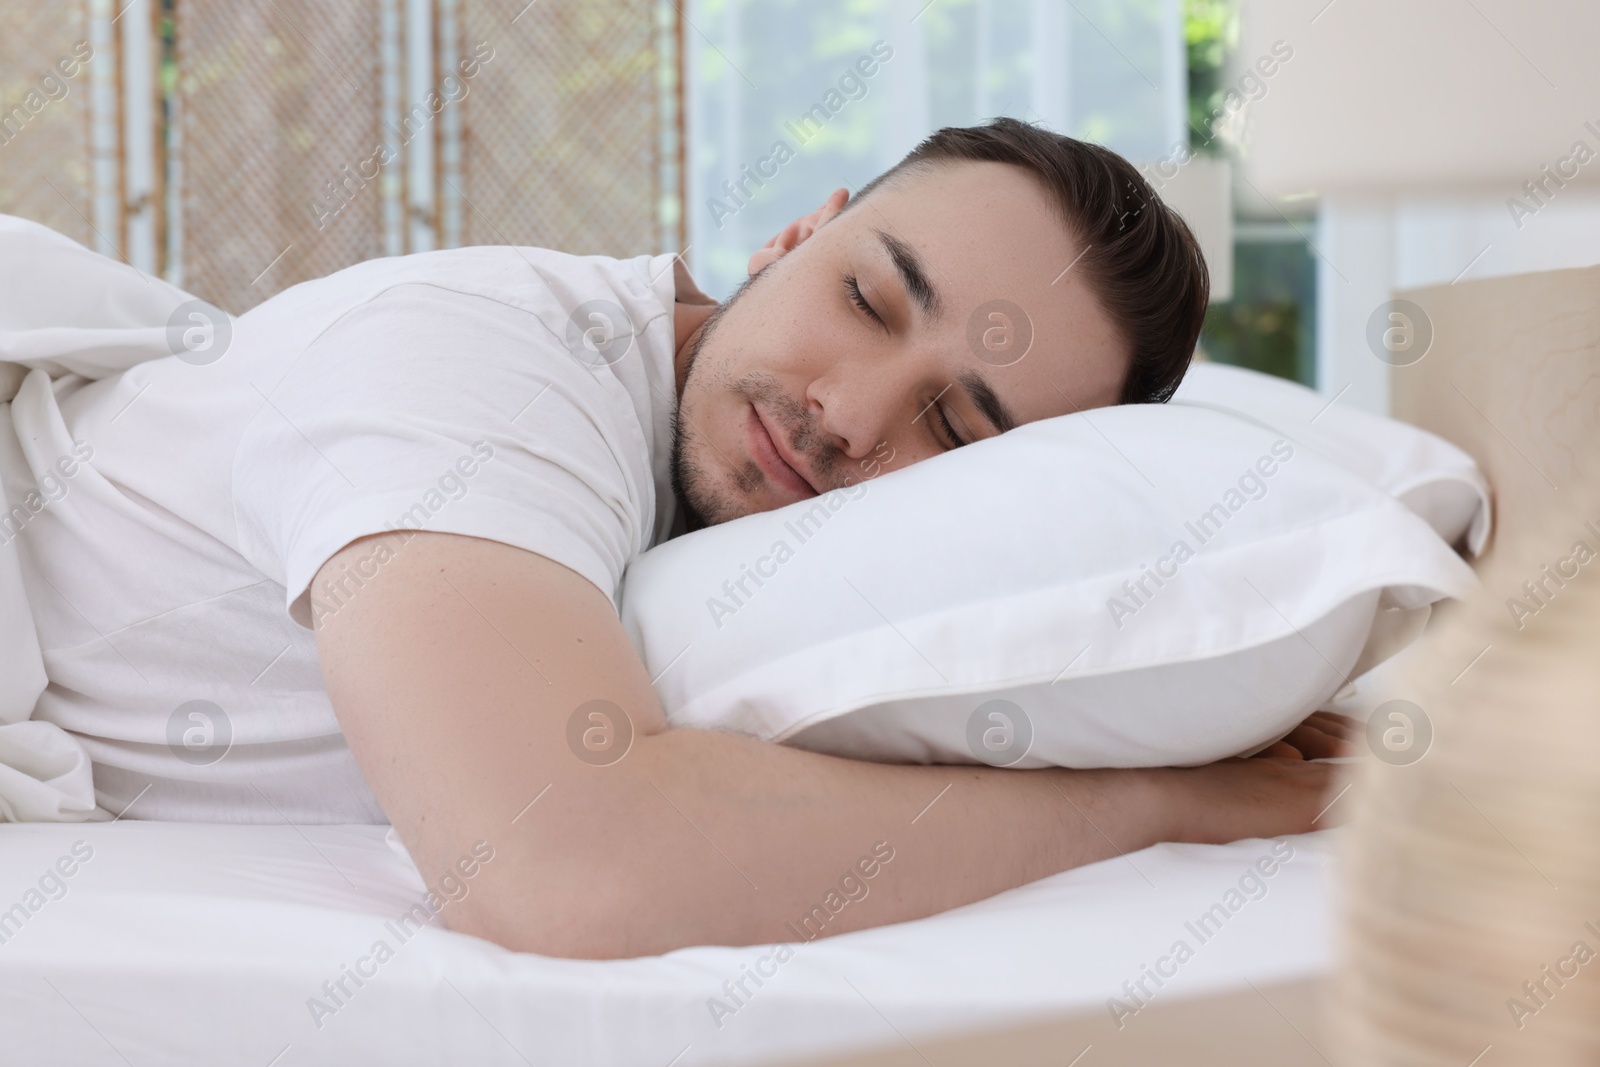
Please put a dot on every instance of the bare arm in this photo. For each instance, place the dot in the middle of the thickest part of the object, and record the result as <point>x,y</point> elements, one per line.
<point>454,673</point>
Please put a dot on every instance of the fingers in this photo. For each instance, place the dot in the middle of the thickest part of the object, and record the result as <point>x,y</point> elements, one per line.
<point>1317,744</point>
<point>1339,725</point>
<point>1330,812</point>
<point>1323,735</point>
<point>1311,742</point>
<point>1326,734</point>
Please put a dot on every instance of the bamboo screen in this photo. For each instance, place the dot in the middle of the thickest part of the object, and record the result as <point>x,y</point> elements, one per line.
<point>278,99</point>
<point>559,147</point>
<point>293,138</point>
<point>45,157</point>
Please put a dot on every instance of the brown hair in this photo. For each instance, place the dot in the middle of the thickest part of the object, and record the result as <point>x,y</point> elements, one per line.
<point>1141,260</point>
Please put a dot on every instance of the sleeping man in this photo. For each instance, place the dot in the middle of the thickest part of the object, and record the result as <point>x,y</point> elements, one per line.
<point>236,632</point>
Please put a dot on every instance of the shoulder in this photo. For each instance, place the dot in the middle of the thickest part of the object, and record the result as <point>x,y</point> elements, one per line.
<point>548,284</point>
<point>475,307</point>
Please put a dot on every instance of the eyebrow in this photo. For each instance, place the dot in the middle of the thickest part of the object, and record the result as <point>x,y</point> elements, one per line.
<point>984,399</point>
<point>912,274</point>
<point>915,279</point>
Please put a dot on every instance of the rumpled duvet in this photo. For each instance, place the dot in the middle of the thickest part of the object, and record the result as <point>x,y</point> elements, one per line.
<point>66,313</point>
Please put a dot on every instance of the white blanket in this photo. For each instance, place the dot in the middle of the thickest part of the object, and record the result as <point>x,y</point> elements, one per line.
<point>66,313</point>
<point>194,943</point>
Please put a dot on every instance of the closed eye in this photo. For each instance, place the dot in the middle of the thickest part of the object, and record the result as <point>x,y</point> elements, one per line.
<point>944,421</point>
<point>853,289</point>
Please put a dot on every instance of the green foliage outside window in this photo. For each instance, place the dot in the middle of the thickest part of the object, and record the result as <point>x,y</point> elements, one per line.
<point>1210,29</point>
<point>1270,324</point>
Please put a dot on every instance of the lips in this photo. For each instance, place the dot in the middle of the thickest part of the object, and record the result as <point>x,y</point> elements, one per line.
<point>769,452</point>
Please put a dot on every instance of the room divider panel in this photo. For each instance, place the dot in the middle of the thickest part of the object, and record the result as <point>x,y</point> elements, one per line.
<point>237,147</point>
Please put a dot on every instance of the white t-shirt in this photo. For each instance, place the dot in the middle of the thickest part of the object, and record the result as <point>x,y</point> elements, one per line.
<point>451,391</point>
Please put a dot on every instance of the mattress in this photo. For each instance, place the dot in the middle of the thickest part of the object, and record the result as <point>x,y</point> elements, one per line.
<point>187,943</point>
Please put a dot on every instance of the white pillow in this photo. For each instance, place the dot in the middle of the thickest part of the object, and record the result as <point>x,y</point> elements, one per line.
<point>1425,472</point>
<point>885,621</point>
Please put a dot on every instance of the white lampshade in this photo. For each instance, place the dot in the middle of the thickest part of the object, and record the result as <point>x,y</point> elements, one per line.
<point>1383,97</point>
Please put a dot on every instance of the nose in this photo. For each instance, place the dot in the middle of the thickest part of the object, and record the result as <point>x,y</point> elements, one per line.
<point>863,406</point>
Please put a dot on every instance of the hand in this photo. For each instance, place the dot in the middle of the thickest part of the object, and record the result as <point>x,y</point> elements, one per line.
<point>1262,796</point>
<point>1280,790</point>
<point>1324,734</point>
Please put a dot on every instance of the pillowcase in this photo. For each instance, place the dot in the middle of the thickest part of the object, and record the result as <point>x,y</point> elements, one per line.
<point>1425,472</point>
<point>1144,585</point>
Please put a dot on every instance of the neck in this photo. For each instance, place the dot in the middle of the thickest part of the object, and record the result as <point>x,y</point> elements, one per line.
<point>690,310</point>
<point>687,322</point>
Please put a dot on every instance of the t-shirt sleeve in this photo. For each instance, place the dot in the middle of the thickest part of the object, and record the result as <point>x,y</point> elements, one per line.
<point>425,408</point>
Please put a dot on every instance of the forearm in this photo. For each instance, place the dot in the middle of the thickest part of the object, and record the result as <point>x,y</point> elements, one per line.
<point>801,822</point>
<point>463,679</point>
<point>719,839</point>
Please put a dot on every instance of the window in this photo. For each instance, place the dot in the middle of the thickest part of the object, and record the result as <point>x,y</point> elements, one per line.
<point>1270,323</point>
<point>782,111</point>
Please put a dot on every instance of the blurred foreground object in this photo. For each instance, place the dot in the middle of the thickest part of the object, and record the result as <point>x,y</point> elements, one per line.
<point>1472,877</point>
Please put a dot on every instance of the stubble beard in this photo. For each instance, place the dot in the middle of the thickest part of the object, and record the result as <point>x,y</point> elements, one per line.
<point>695,486</point>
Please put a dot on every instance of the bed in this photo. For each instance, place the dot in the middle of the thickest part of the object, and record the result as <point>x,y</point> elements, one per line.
<point>256,945</point>
<point>192,943</point>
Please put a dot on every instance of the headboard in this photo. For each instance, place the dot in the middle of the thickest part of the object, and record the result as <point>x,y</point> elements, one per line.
<point>1512,377</point>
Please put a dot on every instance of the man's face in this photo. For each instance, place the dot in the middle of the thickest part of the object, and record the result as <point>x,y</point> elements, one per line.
<point>941,310</point>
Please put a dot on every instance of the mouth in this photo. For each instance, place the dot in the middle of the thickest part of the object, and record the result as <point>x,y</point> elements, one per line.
<point>777,462</point>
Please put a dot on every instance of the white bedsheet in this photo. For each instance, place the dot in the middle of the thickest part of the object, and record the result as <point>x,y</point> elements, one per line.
<point>179,943</point>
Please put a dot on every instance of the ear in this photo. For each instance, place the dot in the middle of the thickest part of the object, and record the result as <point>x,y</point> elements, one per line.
<point>797,231</point>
